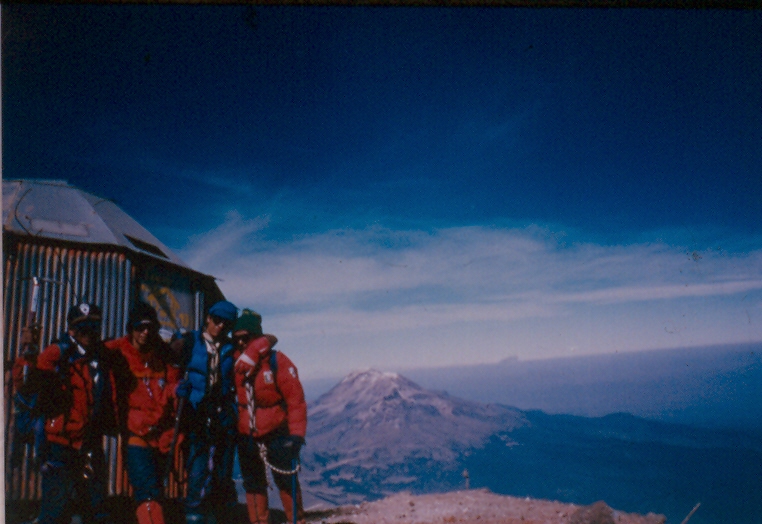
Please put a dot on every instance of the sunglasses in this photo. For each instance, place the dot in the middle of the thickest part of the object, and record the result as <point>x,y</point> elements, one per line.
<point>142,327</point>
<point>241,339</point>
<point>85,327</point>
<point>219,320</point>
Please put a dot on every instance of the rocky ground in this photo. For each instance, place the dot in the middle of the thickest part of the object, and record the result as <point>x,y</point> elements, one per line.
<point>461,507</point>
<point>476,507</point>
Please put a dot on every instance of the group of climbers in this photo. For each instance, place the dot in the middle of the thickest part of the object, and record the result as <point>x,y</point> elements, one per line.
<point>203,390</point>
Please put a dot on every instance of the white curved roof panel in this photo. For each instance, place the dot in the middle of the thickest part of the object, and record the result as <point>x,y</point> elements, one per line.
<point>56,210</point>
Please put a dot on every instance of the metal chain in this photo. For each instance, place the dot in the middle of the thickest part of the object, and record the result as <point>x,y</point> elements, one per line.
<point>253,429</point>
<point>263,456</point>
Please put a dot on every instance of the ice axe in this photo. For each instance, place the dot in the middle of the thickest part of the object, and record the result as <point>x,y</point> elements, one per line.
<point>175,433</point>
<point>293,488</point>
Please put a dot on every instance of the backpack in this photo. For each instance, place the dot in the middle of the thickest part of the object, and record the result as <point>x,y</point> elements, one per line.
<point>55,396</point>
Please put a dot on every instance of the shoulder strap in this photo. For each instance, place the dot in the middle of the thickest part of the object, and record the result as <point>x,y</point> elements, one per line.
<point>193,343</point>
<point>64,343</point>
<point>273,362</point>
<point>274,369</point>
<point>64,358</point>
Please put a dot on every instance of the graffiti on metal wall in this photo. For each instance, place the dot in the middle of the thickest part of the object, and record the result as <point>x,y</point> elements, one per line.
<point>172,298</point>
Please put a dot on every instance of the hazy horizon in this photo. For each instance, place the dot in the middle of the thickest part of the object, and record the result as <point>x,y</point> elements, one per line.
<point>711,386</point>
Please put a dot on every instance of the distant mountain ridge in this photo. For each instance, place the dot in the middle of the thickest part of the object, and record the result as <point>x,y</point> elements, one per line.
<point>375,434</point>
<point>710,386</point>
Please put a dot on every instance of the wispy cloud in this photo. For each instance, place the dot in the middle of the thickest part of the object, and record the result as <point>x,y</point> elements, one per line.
<point>211,249</point>
<point>358,283</point>
<point>459,265</point>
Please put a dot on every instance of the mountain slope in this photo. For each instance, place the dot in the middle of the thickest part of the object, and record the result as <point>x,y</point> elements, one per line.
<point>375,433</point>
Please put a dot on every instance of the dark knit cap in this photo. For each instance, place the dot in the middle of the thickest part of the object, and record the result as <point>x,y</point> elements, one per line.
<point>250,321</point>
<point>83,312</point>
<point>140,313</point>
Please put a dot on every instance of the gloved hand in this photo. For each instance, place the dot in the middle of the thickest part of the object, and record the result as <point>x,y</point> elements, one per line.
<point>255,352</point>
<point>292,444</point>
<point>165,440</point>
<point>183,389</point>
<point>286,448</point>
<point>245,365</point>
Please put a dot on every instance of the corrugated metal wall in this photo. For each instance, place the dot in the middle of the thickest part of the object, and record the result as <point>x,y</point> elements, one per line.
<point>65,276</point>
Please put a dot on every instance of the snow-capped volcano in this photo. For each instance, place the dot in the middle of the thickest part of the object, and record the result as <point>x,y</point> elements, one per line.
<point>385,414</point>
<point>375,425</point>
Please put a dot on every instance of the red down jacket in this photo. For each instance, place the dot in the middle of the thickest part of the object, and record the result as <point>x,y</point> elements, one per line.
<point>275,405</point>
<point>68,428</point>
<point>150,415</point>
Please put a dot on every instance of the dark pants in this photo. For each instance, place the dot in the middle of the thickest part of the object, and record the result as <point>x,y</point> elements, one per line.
<point>30,428</point>
<point>253,469</point>
<point>145,467</point>
<point>63,478</point>
<point>210,477</point>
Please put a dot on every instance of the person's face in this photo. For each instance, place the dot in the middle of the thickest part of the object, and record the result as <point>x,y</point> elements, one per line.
<point>216,326</point>
<point>87,333</point>
<point>241,338</point>
<point>141,333</point>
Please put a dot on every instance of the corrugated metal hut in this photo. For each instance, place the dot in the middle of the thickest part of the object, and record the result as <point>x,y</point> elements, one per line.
<point>62,245</point>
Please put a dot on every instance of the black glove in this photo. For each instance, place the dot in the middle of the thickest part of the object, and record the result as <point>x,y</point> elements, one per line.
<point>285,449</point>
<point>294,443</point>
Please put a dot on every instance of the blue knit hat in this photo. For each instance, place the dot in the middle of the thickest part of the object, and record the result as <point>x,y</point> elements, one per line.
<point>224,309</point>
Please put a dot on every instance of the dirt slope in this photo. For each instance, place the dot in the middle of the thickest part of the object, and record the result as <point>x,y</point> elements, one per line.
<point>477,507</point>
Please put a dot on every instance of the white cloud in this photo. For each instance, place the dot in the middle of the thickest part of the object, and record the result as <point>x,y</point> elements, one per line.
<point>209,252</point>
<point>354,285</point>
<point>461,265</point>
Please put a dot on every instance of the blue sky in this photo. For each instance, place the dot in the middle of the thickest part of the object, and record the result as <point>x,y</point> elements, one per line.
<point>404,187</point>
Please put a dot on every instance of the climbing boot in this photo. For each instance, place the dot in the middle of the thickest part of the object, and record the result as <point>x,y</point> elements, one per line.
<point>150,512</point>
<point>288,506</point>
<point>257,506</point>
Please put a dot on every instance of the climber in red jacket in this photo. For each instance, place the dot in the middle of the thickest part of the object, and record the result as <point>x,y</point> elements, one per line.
<point>78,381</point>
<point>272,418</point>
<point>150,417</point>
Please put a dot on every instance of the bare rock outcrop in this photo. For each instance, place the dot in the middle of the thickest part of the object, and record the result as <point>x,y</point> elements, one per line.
<point>598,513</point>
